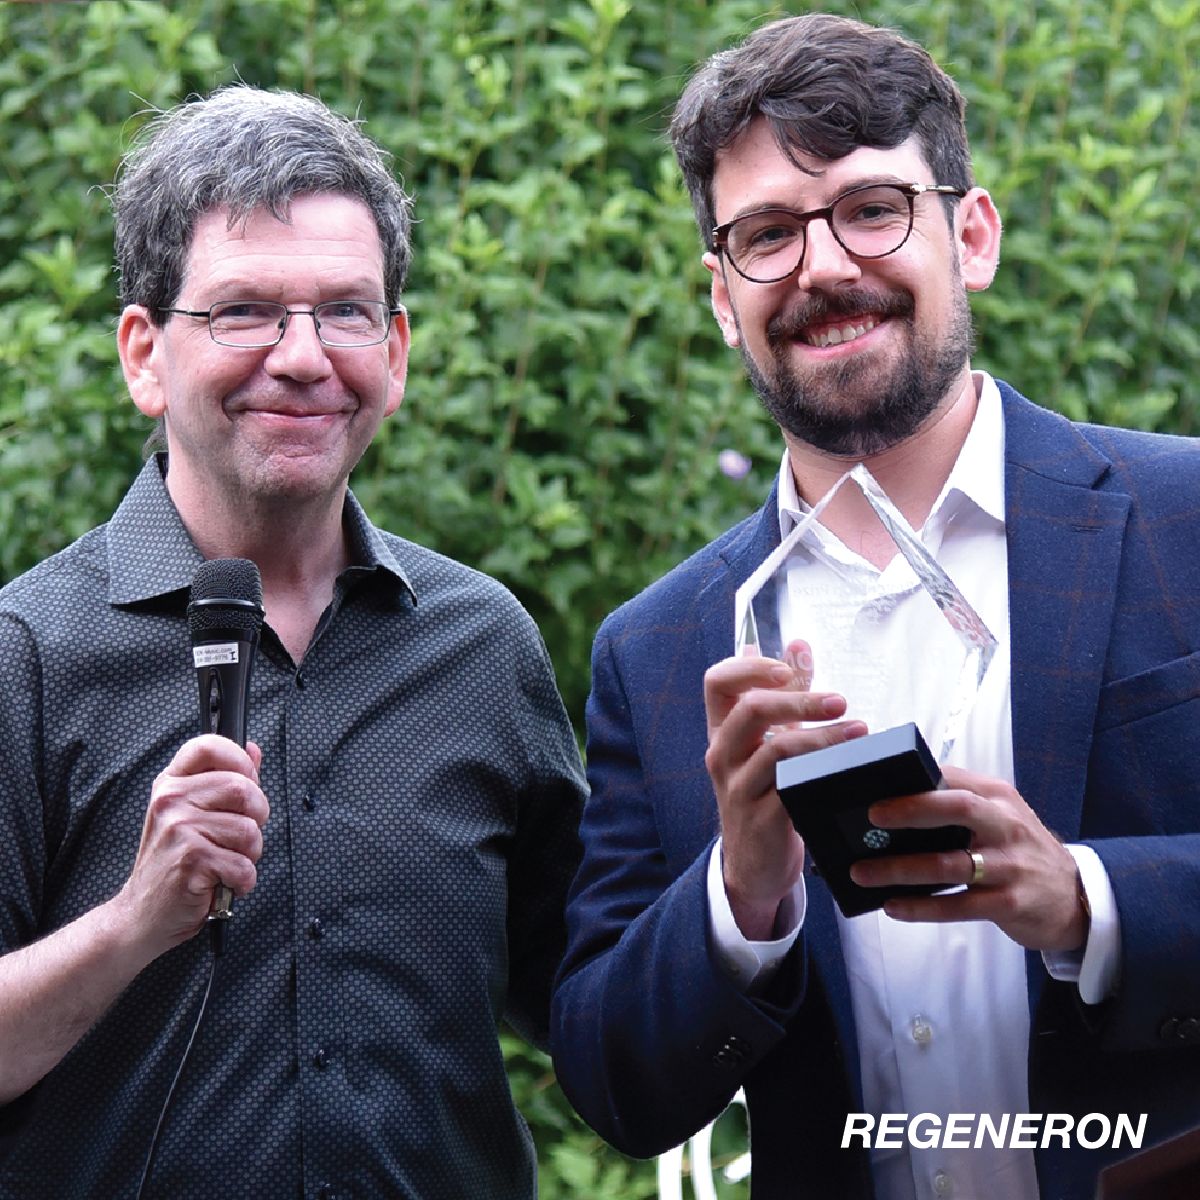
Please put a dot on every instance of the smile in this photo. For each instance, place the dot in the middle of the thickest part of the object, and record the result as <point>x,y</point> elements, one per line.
<point>837,335</point>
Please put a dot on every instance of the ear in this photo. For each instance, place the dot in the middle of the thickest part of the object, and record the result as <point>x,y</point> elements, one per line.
<point>139,346</point>
<point>722,305</point>
<point>977,225</point>
<point>397,344</point>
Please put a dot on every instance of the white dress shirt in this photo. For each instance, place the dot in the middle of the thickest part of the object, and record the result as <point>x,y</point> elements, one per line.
<point>941,1010</point>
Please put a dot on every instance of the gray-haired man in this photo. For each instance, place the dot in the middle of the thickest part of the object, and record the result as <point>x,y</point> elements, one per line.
<point>406,890</point>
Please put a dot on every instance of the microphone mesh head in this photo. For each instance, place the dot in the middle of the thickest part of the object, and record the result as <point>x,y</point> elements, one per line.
<point>226,594</point>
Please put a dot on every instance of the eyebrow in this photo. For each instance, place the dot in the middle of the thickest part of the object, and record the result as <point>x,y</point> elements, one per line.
<point>240,288</point>
<point>866,181</point>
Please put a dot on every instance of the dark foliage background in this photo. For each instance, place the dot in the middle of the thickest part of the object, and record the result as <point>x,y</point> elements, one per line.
<point>568,393</point>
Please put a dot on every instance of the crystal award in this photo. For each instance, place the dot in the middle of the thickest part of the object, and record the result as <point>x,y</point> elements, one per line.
<point>827,792</point>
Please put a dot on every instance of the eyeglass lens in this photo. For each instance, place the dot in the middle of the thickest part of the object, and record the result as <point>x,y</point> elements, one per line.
<point>261,323</point>
<point>870,222</point>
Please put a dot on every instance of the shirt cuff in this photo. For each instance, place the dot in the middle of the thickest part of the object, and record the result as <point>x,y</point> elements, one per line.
<point>1097,964</point>
<point>750,964</point>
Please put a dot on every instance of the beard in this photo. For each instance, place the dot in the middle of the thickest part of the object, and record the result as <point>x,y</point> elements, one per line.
<point>850,408</point>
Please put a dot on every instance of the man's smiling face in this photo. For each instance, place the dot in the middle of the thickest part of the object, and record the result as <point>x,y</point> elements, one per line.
<point>850,355</point>
<point>284,423</point>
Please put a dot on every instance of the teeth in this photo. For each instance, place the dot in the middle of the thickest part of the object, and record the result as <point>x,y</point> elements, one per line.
<point>835,336</point>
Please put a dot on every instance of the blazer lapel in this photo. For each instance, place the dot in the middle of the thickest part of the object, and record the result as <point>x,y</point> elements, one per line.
<point>1064,547</point>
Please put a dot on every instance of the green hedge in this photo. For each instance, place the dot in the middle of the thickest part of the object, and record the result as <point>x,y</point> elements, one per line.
<point>568,393</point>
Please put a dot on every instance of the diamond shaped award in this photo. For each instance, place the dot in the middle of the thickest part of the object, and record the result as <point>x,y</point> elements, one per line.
<point>827,792</point>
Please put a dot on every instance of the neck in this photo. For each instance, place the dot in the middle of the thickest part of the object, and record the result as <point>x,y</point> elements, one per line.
<point>299,547</point>
<point>912,473</point>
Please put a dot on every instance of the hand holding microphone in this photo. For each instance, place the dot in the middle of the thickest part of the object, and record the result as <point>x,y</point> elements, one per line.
<point>202,834</point>
<point>225,617</point>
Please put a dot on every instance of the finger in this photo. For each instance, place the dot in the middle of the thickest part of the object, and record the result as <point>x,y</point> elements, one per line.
<point>760,710</point>
<point>788,742</point>
<point>211,752</point>
<point>221,867</point>
<point>227,831</point>
<point>935,868</point>
<point>724,683</point>
<point>988,820</point>
<point>255,752</point>
<point>752,775</point>
<point>798,655</point>
<point>969,905</point>
<point>216,791</point>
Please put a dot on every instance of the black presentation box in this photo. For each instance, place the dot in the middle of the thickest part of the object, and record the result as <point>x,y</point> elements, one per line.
<point>827,794</point>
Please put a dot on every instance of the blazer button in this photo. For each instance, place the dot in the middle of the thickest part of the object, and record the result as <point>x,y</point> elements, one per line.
<point>1180,1029</point>
<point>735,1052</point>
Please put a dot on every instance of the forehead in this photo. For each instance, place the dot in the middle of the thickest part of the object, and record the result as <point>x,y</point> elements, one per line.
<point>754,172</point>
<point>327,241</point>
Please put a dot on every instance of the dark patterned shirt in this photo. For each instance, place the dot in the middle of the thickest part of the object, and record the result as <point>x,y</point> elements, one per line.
<point>425,789</point>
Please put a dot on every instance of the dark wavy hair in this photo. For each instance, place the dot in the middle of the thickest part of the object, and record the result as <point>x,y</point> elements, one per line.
<point>827,85</point>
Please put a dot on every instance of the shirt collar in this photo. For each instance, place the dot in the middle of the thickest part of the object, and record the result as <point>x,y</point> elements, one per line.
<point>151,553</point>
<point>977,475</point>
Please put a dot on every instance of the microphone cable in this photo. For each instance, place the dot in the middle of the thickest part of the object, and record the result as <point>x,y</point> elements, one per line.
<point>216,930</point>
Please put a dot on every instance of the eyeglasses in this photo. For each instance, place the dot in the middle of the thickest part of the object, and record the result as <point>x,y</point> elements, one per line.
<point>871,221</point>
<point>254,324</point>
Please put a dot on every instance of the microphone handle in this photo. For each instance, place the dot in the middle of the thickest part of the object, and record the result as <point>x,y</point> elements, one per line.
<point>223,675</point>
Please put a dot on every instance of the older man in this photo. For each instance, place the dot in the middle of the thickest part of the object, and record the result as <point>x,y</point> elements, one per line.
<point>401,828</point>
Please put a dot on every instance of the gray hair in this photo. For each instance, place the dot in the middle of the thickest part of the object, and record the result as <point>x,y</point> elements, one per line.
<point>243,149</point>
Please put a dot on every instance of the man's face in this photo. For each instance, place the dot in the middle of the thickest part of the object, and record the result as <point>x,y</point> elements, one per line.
<point>279,424</point>
<point>903,326</point>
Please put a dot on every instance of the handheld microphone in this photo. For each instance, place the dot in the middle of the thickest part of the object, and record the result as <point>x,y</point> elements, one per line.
<point>225,616</point>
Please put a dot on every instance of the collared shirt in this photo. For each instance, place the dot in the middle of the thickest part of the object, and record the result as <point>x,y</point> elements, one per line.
<point>425,789</point>
<point>940,1009</point>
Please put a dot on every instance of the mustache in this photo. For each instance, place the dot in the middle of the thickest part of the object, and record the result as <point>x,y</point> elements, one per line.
<point>827,306</point>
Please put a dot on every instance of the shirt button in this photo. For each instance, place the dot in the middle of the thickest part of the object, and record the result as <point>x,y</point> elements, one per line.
<point>300,681</point>
<point>320,1060</point>
<point>309,803</point>
<point>922,1034</point>
<point>325,1192</point>
<point>943,1185</point>
<point>315,928</point>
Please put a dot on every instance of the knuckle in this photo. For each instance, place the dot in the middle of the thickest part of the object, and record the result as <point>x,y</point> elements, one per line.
<point>712,760</point>
<point>756,704</point>
<point>252,841</point>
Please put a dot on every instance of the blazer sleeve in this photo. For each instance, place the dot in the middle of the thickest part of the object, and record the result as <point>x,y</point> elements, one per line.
<point>650,1038</point>
<point>1143,820</point>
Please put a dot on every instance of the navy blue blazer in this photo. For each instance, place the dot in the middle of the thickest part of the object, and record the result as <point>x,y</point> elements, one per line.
<point>651,1040</point>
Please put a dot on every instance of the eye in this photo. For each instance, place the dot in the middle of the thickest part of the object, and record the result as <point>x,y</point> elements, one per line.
<point>769,235</point>
<point>246,313</point>
<point>347,310</point>
<point>876,206</point>
<point>763,233</point>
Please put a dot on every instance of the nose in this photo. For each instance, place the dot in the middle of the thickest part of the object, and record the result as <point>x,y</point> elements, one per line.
<point>826,261</point>
<point>299,354</point>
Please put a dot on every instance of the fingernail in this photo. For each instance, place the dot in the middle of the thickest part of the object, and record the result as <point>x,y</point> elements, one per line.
<point>832,705</point>
<point>802,659</point>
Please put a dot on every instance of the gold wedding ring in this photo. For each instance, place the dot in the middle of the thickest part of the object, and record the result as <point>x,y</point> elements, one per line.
<point>976,868</point>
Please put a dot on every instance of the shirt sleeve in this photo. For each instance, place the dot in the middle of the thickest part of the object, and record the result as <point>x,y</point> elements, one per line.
<point>750,964</point>
<point>1096,966</point>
